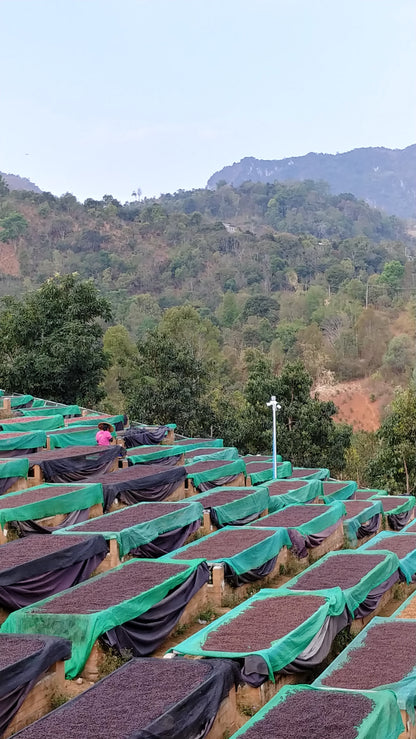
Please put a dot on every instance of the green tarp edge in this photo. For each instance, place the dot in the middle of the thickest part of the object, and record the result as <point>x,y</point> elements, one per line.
<point>31,440</point>
<point>266,475</point>
<point>351,525</point>
<point>65,410</point>
<point>231,468</point>
<point>256,501</point>
<point>74,438</point>
<point>343,494</point>
<point>310,491</point>
<point>228,453</point>
<point>407,563</point>
<point>14,467</point>
<point>322,521</point>
<point>50,422</point>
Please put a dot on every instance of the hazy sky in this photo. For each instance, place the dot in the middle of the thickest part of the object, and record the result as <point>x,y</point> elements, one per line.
<point>105,96</point>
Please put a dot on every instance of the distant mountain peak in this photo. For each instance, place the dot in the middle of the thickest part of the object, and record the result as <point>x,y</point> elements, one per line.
<point>385,178</point>
<point>15,182</point>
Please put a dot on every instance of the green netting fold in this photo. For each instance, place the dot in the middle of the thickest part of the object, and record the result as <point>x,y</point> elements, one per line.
<point>63,410</point>
<point>17,400</point>
<point>38,403</point>
<point>88,420</point>
<point>404,503</point>
<point>255,502</point>
<point>385,713</point>
<point>375,492</point>
<point>1,392</point>
<point>141,533</point>
<point>255,458</point>
<point>83,629</point>
<point>55,421</point>
<point>231,468</point>
<point>257,478</point>
<point>404,689</point>
<point>31,440</point>
<point>83,497</point>
<point>229,453</point>
<point>351,525</point>
<point>74,438</point>
<point>322,473</point>
<point>146,457</point>
<point>14,467</point>
<point>310,491</point>
<point>322,521</point>
<point>344,494</point>
<point>150,426</point>
<point>282,651</point>
<point>407,563</point>
<point>249,559</point>
<point>357,593</point>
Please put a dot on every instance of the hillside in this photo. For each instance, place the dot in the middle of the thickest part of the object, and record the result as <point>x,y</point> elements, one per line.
<point>284,270</point>
<point>384,178</point>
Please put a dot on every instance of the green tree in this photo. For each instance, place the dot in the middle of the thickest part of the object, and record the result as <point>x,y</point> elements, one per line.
<point>12,226</point>
<point>306,432</point>
<point>392,275</point>
<point>393,467</point>
<point>51,341</point>
<point>400,355</point>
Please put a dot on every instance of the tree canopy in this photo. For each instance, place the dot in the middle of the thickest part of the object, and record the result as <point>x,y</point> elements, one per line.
<point>51,341</point>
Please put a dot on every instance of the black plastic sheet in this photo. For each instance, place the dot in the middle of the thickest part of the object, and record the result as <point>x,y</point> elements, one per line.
<point>220,481</point>
<point>374,596</point>
<point>144,436</point>
<point>250,576</point>
<point>29,527</point>
<point>238,522</point>
<point>370,527</point>
<point>302,542</point>
<point>146,633</point>
<point>70,468</point>
<point>140,483</point>
<point>397,521</point>
<point>46,575</point>
<point>7,482</point>
<point>167,542</point>
<point>17,680</point>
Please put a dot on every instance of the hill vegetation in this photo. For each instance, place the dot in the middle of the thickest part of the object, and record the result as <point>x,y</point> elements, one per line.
<point>385,178</point>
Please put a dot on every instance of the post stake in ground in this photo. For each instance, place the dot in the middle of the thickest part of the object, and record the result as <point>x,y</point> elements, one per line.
<point>275,407</point>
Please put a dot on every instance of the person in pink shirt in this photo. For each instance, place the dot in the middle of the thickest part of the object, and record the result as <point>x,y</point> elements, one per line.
<point>103,436</point>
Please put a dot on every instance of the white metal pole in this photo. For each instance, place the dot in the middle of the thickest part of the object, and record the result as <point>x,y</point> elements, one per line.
<point>275,406</point>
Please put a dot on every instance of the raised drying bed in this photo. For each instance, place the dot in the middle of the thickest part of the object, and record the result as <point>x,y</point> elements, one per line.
<point>268,635</point>
<point>72,436</point>
<point>261,472</point>
<point>338,490</point>
<point>399,510</point>
<point>197,442</point>
<point>402,544</point>
<point>313,529</point>
<point>96,418</point>
<point>32,423</point>
<point>142,483</point>
<point>203,476</point>
<point>19,443</point>
<point>363,521</point>
<point>135,606</point>
<point>142,530</point>
<point>365,578</point>
<point>31,673</point>
<point>149,697</point>
<point>232,506</point>
<point>310,473</point>
<point>238,557</point>
<point>72,463</point>
<point>303,711</point>
<point>382,656</point>
<point>49,506</point>
<point>39,566</point>
<point>291,492</point>
<point>203,454</point>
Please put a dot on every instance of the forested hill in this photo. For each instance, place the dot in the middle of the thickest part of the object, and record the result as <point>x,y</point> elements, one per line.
<point>286,269</point>
<point>385,178</point>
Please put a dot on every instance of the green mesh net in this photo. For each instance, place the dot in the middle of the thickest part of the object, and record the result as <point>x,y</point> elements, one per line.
<point>252,504</point>
<point>55,421</point>
<point>78,499</point>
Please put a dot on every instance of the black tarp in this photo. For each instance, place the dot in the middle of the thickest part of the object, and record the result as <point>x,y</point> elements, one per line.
<point>139,483</point>
<point>29,527</point>
<point>397,521</point>
<point>143,436</point>
<point>18,678</point>
<point>146,633</point>
<point>167,542</point>
<point>75,463</point>
<point>6,483</point>
<point>226,480</point>
<point>50,573</point>
<point>374,596</point>
<point>302,542</point>
<point>370,527</point>
<point>250,576</point>
<point>162,461</point>
<point>238,522</point>
<point>189,718</point>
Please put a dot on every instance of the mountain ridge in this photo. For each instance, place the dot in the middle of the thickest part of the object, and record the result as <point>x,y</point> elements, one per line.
<point>385,178</point>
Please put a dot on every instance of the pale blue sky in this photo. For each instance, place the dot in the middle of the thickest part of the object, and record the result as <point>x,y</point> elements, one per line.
<point>104,96</point>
